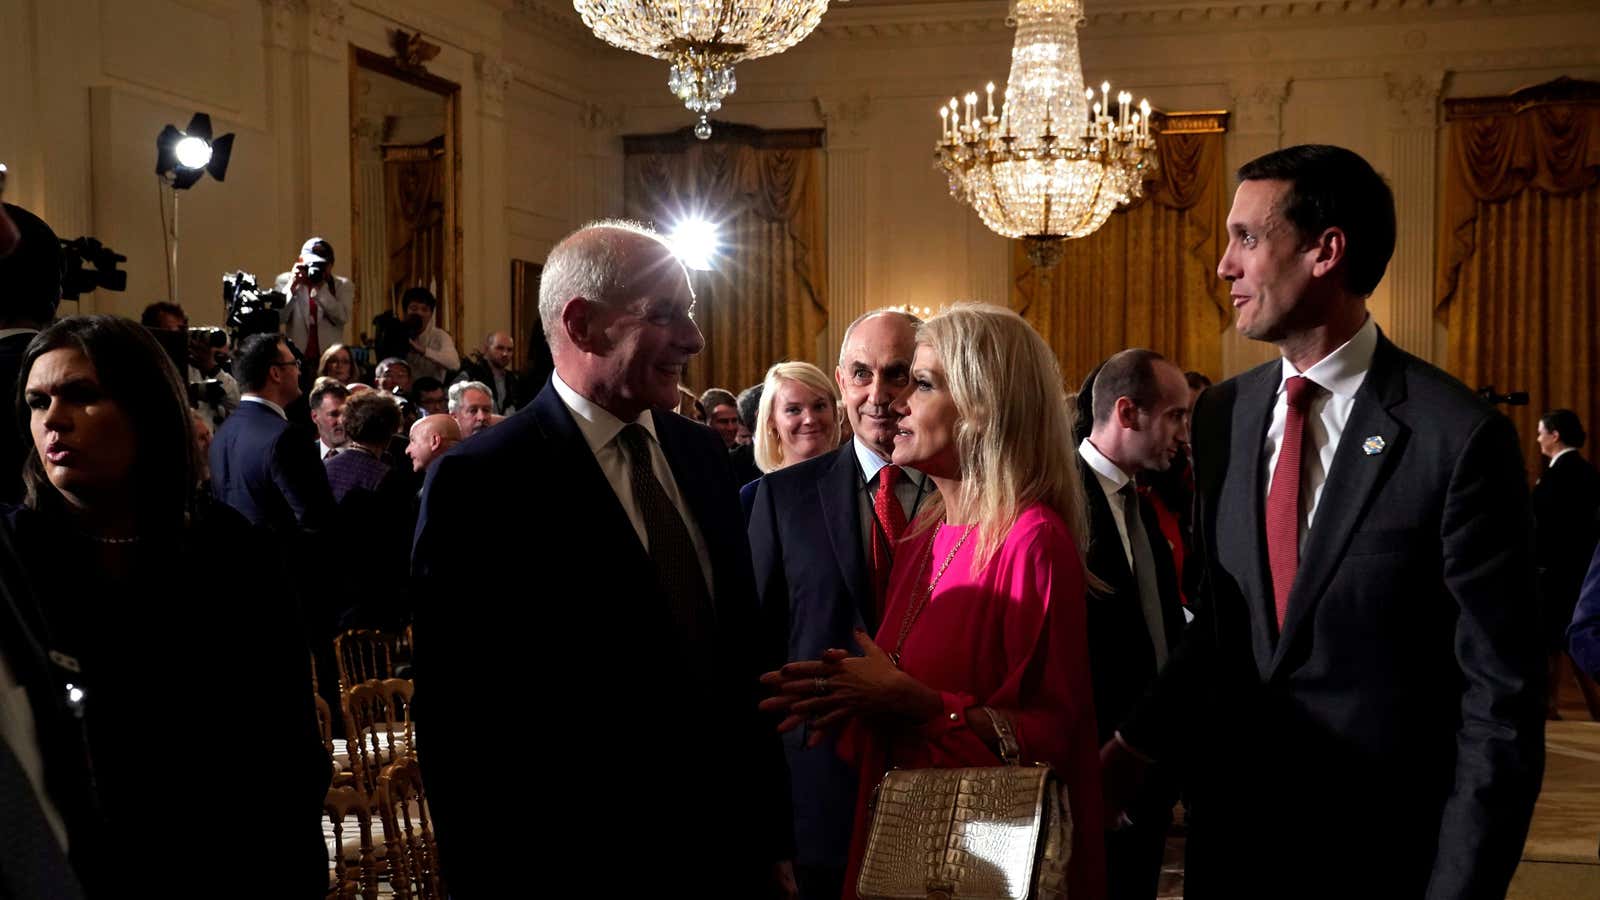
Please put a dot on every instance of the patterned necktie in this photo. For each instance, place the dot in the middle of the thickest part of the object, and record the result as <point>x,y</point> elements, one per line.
<point>670,546</point>
<point>892,520</point>
<point>1144,572</point>
<point>1283,499</point>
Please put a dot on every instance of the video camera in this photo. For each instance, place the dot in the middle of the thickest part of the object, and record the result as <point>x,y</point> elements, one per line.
<point>250,309</point>
<point>87,264</point>
<point>1514,398</point>
<point>179,345</point>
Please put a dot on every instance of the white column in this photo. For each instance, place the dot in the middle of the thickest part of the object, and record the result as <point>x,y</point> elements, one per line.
<point>1413,136</point>
<point>489,303</point>
<point>1254,129</point>
<point>846,200</point>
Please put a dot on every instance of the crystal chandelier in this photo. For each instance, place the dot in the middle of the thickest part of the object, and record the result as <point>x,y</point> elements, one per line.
<point>1056,162</point>
<point>702,39</point>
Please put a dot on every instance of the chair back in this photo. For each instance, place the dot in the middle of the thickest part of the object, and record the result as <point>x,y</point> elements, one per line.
<point>364,654</point>
<point>345,807</point>
<point>377,717</point>
<point>412,854</point>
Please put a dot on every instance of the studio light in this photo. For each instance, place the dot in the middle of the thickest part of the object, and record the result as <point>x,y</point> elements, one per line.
<point>694,242</point>
<point>183,156</point>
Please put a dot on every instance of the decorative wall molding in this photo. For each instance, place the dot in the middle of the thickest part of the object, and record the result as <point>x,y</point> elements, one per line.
<point>494,77</point>
<point>911,20</point>
<point>1415,96</point>
<point>1258,104</point>
<point>845,117</point>
<point>327,27</point>
<point>282,17</point>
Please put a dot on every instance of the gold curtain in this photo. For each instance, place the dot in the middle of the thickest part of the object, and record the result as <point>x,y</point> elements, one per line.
<point>1518,282</point>
<point>766,299</point>
<point>1148,277</point>
<point>413,187</point>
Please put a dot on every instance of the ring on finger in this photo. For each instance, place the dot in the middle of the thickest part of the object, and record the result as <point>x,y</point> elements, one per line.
<point>821,684</point>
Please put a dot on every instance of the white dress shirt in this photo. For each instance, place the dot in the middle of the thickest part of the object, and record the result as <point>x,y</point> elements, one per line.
<point>323,450</point>
<point>439,357</point>
<point>1111,479</point>
<point>600,429</point>
<point>909,490</point>
<point>257,398</point>
<point>1339,375</point>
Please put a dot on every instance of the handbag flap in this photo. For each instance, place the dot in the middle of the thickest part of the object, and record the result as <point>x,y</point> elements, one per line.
<point>970,833</point>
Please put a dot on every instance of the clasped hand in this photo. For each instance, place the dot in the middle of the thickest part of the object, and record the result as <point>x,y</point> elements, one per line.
<point>824,693</point>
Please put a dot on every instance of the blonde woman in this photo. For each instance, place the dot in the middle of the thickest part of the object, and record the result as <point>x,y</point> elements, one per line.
<point>797,419</point>
<point>985,622</point>
<point>338,363</point>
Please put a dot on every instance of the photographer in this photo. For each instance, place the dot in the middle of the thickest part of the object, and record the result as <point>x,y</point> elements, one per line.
<point>318,298</point>
<point>214,402</point>
<point>433,351</point>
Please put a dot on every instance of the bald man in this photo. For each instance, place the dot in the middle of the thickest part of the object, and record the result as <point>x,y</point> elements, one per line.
<point>611,579</point>
<point>431,436</point>
<point>492,366</point>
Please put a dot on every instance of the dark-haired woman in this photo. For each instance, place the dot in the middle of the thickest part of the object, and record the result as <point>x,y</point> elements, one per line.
<point>139,627</point>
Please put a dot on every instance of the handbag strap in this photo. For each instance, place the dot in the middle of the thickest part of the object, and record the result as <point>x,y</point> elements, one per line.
<point>1009,750</point>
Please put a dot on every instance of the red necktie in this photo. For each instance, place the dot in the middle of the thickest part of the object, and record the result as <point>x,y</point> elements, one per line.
<point>886,507</point>
<point>1283,500</point>
<point>313,347</point>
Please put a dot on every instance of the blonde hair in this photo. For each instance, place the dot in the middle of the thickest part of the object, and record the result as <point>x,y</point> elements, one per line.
<point>1014,433</point>
<point>768,447</point>
<point>327,357</point>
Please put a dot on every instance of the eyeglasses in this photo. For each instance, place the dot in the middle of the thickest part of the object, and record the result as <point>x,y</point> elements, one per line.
<point>291,362</point>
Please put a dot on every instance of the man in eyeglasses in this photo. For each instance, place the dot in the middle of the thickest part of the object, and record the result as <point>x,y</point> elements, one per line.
<point>260,465</point>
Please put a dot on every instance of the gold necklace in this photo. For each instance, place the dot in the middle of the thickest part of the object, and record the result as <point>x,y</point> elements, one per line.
<point>914,612</point>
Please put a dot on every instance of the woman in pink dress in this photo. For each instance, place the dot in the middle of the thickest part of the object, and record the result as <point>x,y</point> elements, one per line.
<point>986,600</point>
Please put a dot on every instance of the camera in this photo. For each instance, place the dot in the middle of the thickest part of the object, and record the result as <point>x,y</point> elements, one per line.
<point>391,337</point>
<point>208,336</point>
<point>313,273</point>
<point>88,264</point>
<point>1514,398</point>
<point>250,309</point>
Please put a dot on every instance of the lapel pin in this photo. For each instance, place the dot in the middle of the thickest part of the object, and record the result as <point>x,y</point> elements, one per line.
<point>1374,445</point>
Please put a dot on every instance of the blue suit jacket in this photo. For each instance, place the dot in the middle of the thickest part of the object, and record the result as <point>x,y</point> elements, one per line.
<point>269,471</point>
<point>1584,634</point>
<point>570,646</point>
<point>816,588</point>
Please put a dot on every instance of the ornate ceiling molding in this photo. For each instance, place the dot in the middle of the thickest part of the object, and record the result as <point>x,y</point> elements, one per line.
<point>915,19</point>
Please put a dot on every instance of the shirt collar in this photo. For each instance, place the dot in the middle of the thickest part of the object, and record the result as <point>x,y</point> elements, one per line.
<point>598,425</point>
<point>871,463</point>
<point>1342,371</point>
<point>1560,453</point>
<point>1108,471</point>
<point>257,398</point>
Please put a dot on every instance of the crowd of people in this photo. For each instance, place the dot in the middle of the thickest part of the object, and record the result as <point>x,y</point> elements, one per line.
<point>1299,600</point>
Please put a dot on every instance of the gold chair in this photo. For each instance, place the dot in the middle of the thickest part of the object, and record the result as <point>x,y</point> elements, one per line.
<point>355,869</point>
<point>364,654</point>
<point>377,722</point>
<point>412,856</point>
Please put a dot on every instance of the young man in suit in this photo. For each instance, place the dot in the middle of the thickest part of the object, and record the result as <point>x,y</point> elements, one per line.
<point>1565,502</point>
<point>1140,424</point>
<point>621,618</point>
<point>822,536</point>
<point>1359,706</point>
<point>261,465</point>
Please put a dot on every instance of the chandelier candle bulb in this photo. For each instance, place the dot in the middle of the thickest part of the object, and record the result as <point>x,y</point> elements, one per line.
<point>989,109</point>
<point>944,124</point>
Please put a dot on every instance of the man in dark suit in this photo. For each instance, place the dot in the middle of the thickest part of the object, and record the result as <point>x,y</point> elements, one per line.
<point>625,627</point>
<point>1140,423</point>
<point>822,540</point>
<point>260,465</point>
<point>30,291</point>
<point>1566,500</point>
<point>1358,707</point>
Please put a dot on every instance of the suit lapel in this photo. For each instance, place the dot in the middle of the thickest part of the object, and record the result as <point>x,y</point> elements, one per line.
<point>841,514</point>
<point>1352,481</point>
<point>584,481</point>
<point>1243,497</point>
